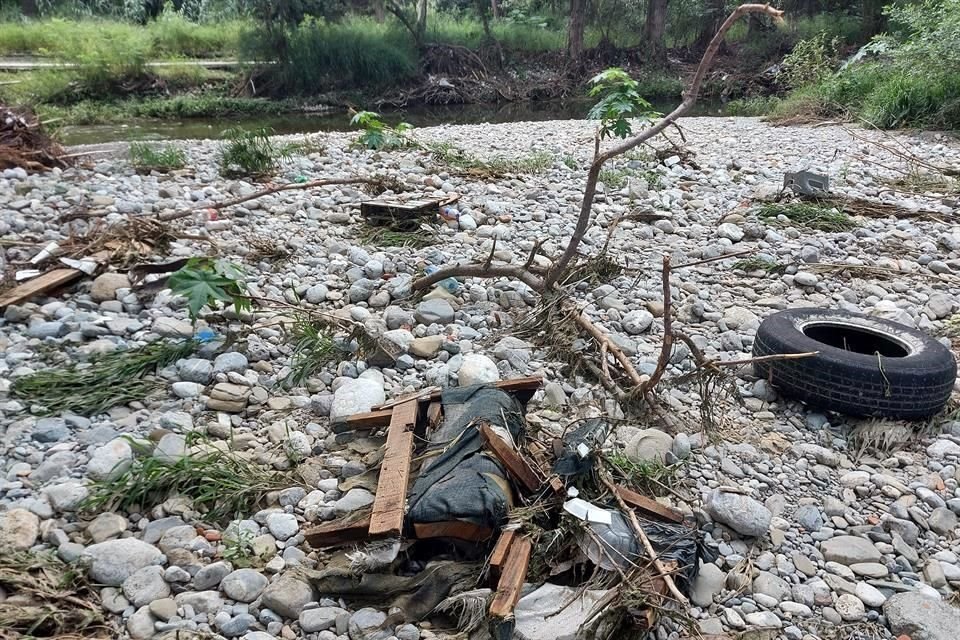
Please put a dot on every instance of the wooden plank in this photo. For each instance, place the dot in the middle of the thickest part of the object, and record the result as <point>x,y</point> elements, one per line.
<point>337,532</point>
<point>649,507</point>
<point>511,582</point>
<point>363,421</point>
<point>516,466</point>
<point>390,504</point>
<point>499,555</point>
<point>434,414</point>
<point>459,529</point>
<point>41,284</point>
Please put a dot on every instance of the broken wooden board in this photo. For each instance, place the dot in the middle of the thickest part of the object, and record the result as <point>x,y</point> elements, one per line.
<point>339,532</point>
<point>389,505</point>
<point>458,529</point>
<point>48,281</point>
<point>514,573</point>
<point>648,507</point>
<point>514,463</point>
<point>499,555</point>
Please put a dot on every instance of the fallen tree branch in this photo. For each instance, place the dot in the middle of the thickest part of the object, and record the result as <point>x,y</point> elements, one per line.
<point>323,182</point>
<point>480,271</point>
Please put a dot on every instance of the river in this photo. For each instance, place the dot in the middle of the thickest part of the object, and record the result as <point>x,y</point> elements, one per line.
<point>418,116</point>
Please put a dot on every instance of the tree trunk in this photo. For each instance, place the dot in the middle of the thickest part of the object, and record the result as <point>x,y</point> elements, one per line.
<point>716,12</point>
<point>577,24</point>
<point>655,29</point>
<point>421,20</point>
<point>29,8</point>
<point>873,19</point>
<point>379,11</point>
<point>495,9</point>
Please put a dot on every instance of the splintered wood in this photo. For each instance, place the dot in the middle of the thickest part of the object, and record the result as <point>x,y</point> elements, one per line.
<point>513,573</point>
<point>516,466</point>
<point>389,506</point>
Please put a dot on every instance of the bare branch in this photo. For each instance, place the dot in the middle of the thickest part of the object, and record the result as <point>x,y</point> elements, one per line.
<point>689,99</point>
<point>174,215</point>
<point>480,271</point>
<point>666,348</point>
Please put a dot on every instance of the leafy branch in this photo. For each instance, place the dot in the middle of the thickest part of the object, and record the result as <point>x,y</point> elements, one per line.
<point>206,281</point>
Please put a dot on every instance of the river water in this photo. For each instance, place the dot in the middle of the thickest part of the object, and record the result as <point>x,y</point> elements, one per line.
<point>418,116</point>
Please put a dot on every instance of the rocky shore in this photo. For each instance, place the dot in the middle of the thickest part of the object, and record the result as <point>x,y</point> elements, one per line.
<point>843,526</point>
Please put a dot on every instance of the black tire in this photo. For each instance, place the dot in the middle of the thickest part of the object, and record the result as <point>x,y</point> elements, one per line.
<point>865,366</point>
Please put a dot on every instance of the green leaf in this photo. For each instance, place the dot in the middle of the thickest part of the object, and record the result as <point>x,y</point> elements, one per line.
<point>205,282</point>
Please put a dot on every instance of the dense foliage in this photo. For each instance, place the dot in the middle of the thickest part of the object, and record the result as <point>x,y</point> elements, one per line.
<point>905,77</point>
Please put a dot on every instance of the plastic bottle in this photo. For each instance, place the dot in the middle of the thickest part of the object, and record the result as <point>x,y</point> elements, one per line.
<point>450,284</point>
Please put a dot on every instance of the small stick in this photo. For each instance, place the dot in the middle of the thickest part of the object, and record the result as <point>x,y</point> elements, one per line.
<point>770,358</point>
<point>667,347</point>
<point>662,570</point>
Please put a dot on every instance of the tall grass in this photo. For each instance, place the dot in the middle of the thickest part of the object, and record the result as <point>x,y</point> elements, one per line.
<point>169,37</point>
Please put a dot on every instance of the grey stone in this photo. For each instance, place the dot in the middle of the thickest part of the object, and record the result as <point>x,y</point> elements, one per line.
<point>210,576</point>
<point>66,496</point>
<point>366,624</point>
<point>244,585</point>
<point>19,529</point>
<point>434,311</point>
<point>195,370</point>
<point>230,361</point>
<point>237,625</point>
<point>708,583</point>
<point>140,624</point>
<point>114,561</point>
<point>771,585</point>
<point>110,460</point>
<point>354,499</point>
<point>849,550</point>
<point>921,617</point>
<point>156,528</point>
<point>637,321</point>
<point>320,619</point>
<point>50,430</point>
<point>741,513</point>
<point>763,619</point>
<point>808,516</point>
<point>287,596</point>
<point>164,609</point>
<point>200,601</point>
<point>356,396</point>
<point>282,525</point>
<point>477,369</point>
<point>146,585</point>
<point>869,595</point>
<point>943,521</point>
<point>106,526</point>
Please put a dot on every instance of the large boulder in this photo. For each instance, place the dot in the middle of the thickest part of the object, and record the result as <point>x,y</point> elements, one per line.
<point>477,369</point>
<point>114,561</point>
<point>356,396</point>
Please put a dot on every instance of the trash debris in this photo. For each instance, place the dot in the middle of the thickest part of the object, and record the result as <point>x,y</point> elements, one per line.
<point>23,142</point>
<point>469,509</point>
<point>403,216</point>
<point>806,183</point>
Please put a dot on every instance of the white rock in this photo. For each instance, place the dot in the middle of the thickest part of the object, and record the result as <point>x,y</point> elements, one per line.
<point>477,369</point>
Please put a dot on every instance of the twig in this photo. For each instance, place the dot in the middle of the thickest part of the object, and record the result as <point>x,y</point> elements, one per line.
<point>174,215</point>
<point>715,259</point>
<point>666,348</point>
<point>654,558</point>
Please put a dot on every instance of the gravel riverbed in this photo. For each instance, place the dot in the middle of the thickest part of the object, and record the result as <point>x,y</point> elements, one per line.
<point>845,529</point>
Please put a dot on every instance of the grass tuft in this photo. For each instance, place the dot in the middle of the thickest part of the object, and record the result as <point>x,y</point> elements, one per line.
<point>456,158</point>
<point>90,388</point>
<point>646,476</point>
<point>758,264</point>
<point>251,153</point>
<point>147,158</point>
<point>811,215</point>
<point>220,484</point>
<point>386,237</point>
<point>45,597</point>
<point>313,348</point>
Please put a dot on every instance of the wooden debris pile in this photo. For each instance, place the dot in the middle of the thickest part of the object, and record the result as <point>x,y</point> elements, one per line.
<point>477,523</point>
<point>25,144</point>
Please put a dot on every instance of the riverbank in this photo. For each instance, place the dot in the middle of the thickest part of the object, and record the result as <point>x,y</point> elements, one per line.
<point>858,511</point>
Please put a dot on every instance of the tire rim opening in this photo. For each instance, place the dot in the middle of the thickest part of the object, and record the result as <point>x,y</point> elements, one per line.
<point>856,339</point>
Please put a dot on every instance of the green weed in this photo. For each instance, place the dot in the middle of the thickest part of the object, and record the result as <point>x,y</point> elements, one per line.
<point>386,237</point>
<point>220,484</point>
<point>313,348</point>
<point>456,158</point>
<point>379,136</point>
<point>569,161</point>
<point>615,178</point>
<point>758,264</point>
<point>251,153</point>
<point>814,216</point>
<point>646,476</point>
<point>107,381</point>
<point>162,158</point>
<point>207,282</point>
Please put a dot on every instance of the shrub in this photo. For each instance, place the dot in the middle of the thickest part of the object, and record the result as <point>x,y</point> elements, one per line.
<point>164,158</point>
<point>250,153</point>
<point>380,136</point>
